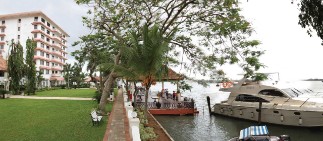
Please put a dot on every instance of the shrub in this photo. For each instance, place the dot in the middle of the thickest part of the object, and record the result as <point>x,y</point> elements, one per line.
<point>97,96</point>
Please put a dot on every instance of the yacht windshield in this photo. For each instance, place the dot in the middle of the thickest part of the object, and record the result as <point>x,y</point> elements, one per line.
<point>293,92</point>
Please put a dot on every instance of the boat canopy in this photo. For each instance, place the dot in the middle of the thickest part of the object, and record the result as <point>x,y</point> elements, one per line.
<point>253,131</point>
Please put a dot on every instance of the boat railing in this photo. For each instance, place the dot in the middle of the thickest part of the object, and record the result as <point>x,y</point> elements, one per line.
<point>167,105</point>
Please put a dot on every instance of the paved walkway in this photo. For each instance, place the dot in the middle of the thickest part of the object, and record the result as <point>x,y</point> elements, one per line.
<point>118,125</point>
<point>56,98</point>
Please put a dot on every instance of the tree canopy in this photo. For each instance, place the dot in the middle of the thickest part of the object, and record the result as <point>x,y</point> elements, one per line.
<point>311,16</point>
<point>205,33</point>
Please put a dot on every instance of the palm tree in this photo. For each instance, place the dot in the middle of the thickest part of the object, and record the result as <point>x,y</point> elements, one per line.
<point>67,69</point>
<point>146,57</point>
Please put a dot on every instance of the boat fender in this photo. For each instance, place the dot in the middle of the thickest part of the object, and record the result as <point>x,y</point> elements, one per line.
<point>240,112</point>
<point>251,114</point>
<point>221,110</point>
<point>281,118</point>
<point>300,121</point>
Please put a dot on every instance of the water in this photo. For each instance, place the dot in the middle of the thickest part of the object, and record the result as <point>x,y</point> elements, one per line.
<point>203,127</point>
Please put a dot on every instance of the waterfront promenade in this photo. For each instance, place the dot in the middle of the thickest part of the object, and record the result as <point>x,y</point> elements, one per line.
<point>118,125</point>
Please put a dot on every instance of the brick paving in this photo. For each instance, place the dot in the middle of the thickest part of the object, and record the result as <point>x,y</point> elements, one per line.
<point>118,126</point>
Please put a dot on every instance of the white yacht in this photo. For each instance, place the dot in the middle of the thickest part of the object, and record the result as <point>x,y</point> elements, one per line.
<point>286,106</point>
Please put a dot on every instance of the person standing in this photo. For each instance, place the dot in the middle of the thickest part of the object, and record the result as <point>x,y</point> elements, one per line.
<point>174,95</point>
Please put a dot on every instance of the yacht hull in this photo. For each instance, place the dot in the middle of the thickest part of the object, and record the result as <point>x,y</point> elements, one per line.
<point>271,115</point>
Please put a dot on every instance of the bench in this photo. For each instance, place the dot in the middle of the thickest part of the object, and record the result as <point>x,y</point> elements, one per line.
<point>95,117</point>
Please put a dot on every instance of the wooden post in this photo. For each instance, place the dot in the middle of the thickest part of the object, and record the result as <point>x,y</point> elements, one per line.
<point>162,91</point>
<point>208,103</point>
<point>259,112</point>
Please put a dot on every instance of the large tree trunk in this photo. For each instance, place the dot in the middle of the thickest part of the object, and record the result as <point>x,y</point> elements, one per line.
<point>108,85</point>
<point>106,91</point>
<point>146,104</point>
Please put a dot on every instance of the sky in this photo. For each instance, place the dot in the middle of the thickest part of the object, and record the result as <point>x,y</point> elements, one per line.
<point>289,50</point>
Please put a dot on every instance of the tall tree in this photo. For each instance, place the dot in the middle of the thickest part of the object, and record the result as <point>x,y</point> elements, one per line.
<point>39,79</point>
<point>67,69</point>
<point>15,66</point>
<point>146,59</point>
<point>95,50</point>
<point>311,16</point>
<point>30,67</point>
<point>219,31</point>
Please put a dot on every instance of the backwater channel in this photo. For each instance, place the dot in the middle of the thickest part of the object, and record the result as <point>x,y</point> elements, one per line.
<point>203,127</point>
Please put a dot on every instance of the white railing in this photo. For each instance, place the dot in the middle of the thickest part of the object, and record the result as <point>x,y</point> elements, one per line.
<point>133,121</point>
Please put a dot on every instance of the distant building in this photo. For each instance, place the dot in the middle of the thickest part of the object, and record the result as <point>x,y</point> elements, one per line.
<point>50,53</point>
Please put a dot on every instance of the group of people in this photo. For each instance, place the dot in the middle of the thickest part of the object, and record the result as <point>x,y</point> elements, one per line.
<point>166,94</point>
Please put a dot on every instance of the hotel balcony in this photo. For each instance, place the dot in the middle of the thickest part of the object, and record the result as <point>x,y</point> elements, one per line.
<point>2,42</point>
<point>41,58</point>
<point>43,49</point>
<point>3,26</point>
<point>44,67</point>
<point>55,75</point>
<point>56,53</point>
<point>57,61</point>
<point>61,43</point>
<point>41,23</point>
<point>42,40</point>
<point>40,31</point>
<point>2,34</point>
<point>57,68</point>
<point>56,39</point>
<point>56,32</point>
<point>56,46</point>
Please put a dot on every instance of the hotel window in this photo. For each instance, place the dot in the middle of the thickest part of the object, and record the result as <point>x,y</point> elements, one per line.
<point>1,74</point>
<point>43,20</point>
<point>2,30</point>
<point>53,42</point>
<point>47,55</point>
<point>53,64</point>
<point>18,28</point>
<point>35,52</point>
<point>47,63</point>
<point>53,57</point>
<point>3,22</point>
<point>41,62</point>
<point>43,37</point>
<point>35,35</point>
<point>1,46</point>
<point>18,37</point>
<point>19,20</point>
<point>47,39</point>
<point>48,32</point>
<point>42,53</point>
<point>48,24</point>
<point>42,45</point>
<point>47,71</point>
<point>42,28</point>
<point>36,19</point>
<point>35,26</point>
<point>2,38</point>
<point>52,72</point>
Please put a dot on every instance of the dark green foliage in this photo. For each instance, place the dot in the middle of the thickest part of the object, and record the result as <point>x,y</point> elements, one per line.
<point>3,92</point>
<point>97,96</point>
<point>67,69</point>
<point>39,79</point>
<point>30,67</point>
<point>311,16</point>
<point>16,66</point>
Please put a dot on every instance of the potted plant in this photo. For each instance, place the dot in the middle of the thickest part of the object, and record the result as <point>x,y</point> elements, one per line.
<point>3,93</point>
<point>158,105</point>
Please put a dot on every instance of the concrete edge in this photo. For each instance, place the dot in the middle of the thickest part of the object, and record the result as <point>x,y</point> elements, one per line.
<point>170,137</point>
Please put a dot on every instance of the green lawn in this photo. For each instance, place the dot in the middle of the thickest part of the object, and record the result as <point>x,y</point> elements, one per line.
<point>49,120</point>
<point>86,93</point>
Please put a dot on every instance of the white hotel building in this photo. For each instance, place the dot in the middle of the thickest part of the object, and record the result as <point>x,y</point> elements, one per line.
<point>50,53</point>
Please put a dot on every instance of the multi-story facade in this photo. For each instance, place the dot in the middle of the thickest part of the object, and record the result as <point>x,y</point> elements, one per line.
<point>51,50</point>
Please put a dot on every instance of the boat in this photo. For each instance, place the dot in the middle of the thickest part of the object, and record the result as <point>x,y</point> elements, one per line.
<point>269,104</point>
<point>258,133</point>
